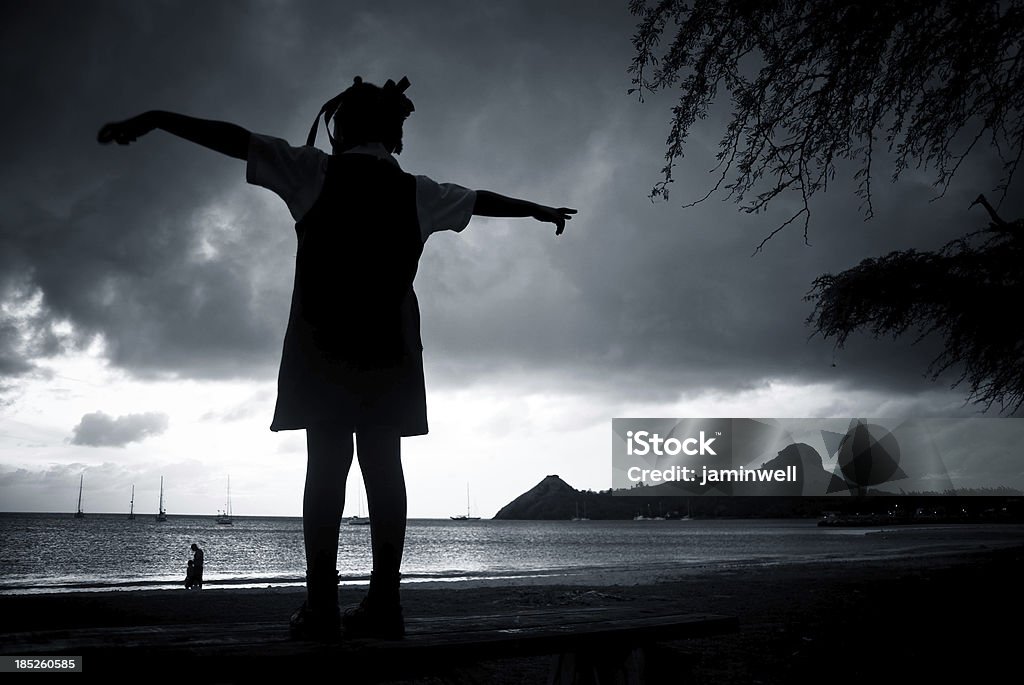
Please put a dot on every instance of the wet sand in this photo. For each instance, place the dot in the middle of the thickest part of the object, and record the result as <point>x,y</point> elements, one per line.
<point>935,618</point>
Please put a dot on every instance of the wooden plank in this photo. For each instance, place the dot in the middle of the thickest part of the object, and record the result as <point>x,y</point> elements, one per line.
<point>535,630</point>
<point>230,650</point>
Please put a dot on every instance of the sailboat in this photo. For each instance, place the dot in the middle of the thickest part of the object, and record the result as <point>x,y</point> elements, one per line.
<point>577,517</point>
<point>224,517</point>
<point>359,519</point>
<point>649,517</point>
<point>80,514</point>
<point>161,515</point>
<point>131,505</point>
<point>466,516</point>
<point>684,517</point>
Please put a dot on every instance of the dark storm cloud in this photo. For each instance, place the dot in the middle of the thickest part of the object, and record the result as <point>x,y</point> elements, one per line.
<point>102,430</point>
<point>162,249</point>
<point>666,301</point>
<point>142,245</point>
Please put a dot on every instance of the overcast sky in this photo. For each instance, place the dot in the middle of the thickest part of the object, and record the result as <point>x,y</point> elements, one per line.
<point>144,290</point>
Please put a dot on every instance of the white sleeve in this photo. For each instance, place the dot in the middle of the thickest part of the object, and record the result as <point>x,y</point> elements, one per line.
<point>442,206</point>
<point>296,174</point>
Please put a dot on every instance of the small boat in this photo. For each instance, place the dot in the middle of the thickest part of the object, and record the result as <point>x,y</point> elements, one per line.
<point>224,517</point>
<point>161,515</point>
<point>79,514</point>
<point>678,516</point>
<point>359,519</point>
<point>131,505</point>
<point>649,517</point>
<point>466,516</point>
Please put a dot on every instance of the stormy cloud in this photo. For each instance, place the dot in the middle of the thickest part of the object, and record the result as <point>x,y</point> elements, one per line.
<point>165,256</point>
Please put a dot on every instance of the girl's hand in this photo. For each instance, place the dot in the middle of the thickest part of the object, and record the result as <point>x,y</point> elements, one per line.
<point>127,131</point>
<point>557,216</point>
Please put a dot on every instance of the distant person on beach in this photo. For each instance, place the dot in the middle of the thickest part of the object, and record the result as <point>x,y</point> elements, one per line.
<point>197,566</point>
<point>190,575</point>
<point>352,359</point>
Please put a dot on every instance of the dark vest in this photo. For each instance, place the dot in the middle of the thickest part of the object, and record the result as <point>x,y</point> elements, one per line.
<point>358,250</point>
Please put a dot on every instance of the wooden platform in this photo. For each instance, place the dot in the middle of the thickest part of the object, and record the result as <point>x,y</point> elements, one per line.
<point>592,640</point>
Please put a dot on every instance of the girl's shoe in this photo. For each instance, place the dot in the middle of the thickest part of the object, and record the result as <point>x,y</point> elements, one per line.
<point>370,620</point>
<point>306,624</point>
<point>319,617</point>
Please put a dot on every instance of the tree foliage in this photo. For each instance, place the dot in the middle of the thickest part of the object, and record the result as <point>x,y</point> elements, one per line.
<point>817,82</point>
<point>970,293</point>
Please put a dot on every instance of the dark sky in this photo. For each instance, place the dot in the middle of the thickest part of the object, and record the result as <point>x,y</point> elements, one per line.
<point>184,271</point>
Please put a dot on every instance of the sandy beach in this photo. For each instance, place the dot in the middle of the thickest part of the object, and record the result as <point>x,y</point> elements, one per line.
<point>933,618</point>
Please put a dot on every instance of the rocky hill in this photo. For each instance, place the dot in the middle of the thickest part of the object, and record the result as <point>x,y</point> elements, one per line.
<point>551,499</point>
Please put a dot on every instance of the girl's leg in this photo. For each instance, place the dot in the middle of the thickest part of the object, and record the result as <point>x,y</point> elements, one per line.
<point>329,450</point>
<point>380,460</point>
<point>329,456</point>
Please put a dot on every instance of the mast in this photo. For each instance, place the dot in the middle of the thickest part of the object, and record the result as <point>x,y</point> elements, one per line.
<point>161,515</point>
<point>131,505</point>
<point>224,517</point>
<point>358,519</point>
<point>466,516</point>
<point>79,513</point>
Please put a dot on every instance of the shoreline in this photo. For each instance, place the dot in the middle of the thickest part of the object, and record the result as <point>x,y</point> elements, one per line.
<point>566,575</point>
<point>800,622</point>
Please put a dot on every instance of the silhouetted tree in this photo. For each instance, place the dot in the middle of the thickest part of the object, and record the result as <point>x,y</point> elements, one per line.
<point>970,293</point>
<point>817,82</point>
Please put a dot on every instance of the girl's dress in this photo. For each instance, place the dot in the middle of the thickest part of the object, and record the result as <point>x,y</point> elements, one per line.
<point>352,350</point>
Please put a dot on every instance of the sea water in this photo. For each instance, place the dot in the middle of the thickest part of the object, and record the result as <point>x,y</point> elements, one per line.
<point>58,553</point>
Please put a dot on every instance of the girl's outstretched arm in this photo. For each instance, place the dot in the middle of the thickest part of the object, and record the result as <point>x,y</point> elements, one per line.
<point>493,204</point>
<point>220,136</point>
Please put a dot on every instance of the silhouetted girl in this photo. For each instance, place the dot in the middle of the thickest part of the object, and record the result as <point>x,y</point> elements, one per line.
<point>352,359</point>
